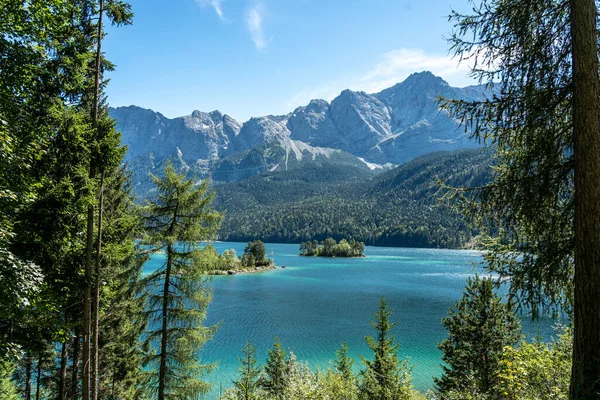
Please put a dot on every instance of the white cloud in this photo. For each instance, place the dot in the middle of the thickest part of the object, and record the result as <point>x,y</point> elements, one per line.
<point>397,65</point>
<point>216,4</point>
<point>394,67</point>
<point>254,22</point>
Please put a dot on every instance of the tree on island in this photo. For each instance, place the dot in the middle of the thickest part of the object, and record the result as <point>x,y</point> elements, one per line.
<point>255,254</point>
<point>479,327</point>
<point>327,247</point>
<point>330,248</point>
<point>180,216</point>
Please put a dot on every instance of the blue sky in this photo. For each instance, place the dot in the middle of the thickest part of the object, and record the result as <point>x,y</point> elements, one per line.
<point>258,57</point>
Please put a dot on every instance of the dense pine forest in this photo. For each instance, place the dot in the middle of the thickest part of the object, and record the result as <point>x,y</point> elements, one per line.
<point>80,320</point>
<point>399,207</point>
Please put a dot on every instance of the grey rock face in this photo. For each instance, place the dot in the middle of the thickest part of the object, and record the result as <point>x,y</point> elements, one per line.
<point>392,126</point>
<point>361,119</point>
<point>260,130</point>
<point>313,124</point>
<point>199,136</point>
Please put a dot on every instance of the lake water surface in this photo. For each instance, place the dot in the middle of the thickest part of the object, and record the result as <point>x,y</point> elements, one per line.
<point>315,304</point>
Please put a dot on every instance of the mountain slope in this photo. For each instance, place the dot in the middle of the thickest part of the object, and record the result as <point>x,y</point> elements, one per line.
<point>396,208</point>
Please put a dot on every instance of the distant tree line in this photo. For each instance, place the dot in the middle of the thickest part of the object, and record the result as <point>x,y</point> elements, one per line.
<point>399,207</point>
<point>330,248</point>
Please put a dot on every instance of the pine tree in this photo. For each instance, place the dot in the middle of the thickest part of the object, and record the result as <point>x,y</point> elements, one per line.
<point>385,377</point>
<point>479,327</point>
<point>248,382</point>
<point>180,217</point>
<point>344,363</point>
<point>275,371</point>
<point>119,13</point>
<point>540,58</point>
<point>121,304</point>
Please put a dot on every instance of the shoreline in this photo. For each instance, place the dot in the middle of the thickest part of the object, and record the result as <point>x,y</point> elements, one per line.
<point>244,271</point>
<point>314,255</point>
<point>369,245</point>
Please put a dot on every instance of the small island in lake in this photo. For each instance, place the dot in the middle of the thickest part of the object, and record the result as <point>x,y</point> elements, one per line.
<point>330,248</point>
<point>253,260</point>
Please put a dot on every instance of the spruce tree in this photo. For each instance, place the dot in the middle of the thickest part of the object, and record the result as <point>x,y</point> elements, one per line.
<point>542,210</point>
<point>177,220</point>
<point>275,371</point>
<point>385,377</point>
<point>344,363</point>
<point>121,304</point>
<point>248,382</point>
<point>479,327</point>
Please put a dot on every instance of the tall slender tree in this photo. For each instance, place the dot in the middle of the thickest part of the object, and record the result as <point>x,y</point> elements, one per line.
<point>119,13</point>
<point>585,379</point>
<point>540,60</point>
<point>248,382</point>
<point>121,311</point>
<point>273,380</point>
<point>386,377</point>
<point>344,363</point>
<point>178,219</point>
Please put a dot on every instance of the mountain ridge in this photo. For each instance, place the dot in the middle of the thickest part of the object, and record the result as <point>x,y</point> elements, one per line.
<point>392,126</point>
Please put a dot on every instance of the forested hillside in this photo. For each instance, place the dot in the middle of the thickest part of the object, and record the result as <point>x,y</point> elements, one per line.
<point>399,207</point>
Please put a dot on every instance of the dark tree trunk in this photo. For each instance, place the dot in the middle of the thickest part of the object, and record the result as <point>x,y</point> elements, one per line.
<point>38,379</point>
<point>163,342</point>
<point>87,294</point>
<point>63,371</point>
<point>75,369</point>
<point>96,296</point>
<point>585,376</point>
<point>88,383</point>
<point>28,378</point>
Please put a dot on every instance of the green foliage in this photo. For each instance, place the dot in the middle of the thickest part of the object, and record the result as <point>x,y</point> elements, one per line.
<point>344,363</point>
<point>385,377</point>
<point>229,260</point>
<point>178,297</point>
<point>42,68</point>
<point>330,248</point>
<point>49,145</point>
<point>248,383</point>
<point>480,327</point>
<point>537,371</point>
<point>20,283</point>
<point>122,318</point>
<point>275,371</point>
<point>528,211</point>
<point>395,208</point>
<point>8,388</point>
<point>255,253</point>
<point>283,377</point>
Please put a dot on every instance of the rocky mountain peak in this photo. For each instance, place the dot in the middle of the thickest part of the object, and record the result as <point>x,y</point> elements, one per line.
<point>392,126</point>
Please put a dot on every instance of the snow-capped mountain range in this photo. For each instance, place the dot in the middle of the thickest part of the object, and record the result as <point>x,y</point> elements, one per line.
<point>367,130</point>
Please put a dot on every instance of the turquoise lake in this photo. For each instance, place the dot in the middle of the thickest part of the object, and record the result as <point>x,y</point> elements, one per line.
<point>315,304</point>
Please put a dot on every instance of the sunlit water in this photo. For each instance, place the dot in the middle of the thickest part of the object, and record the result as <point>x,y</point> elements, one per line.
<point>315,304</point>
